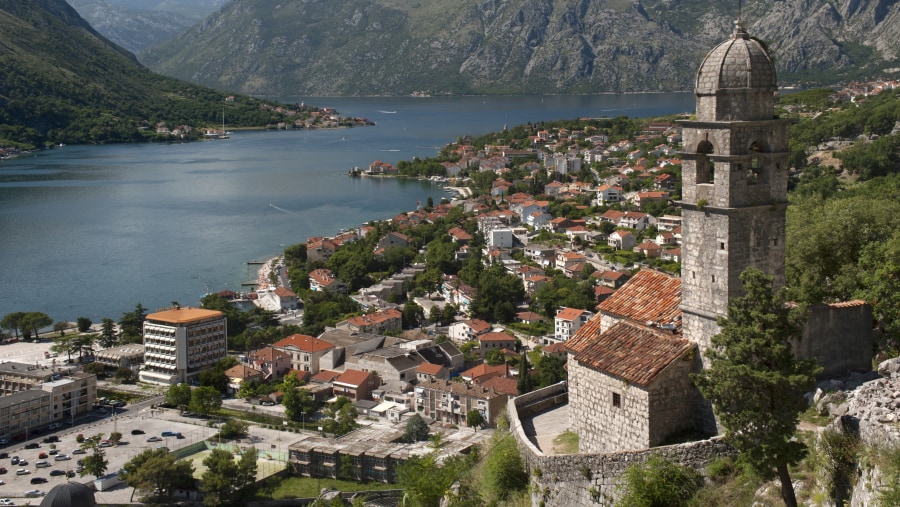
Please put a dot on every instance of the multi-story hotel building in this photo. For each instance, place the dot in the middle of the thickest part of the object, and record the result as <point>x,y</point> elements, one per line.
<point>181,342</point>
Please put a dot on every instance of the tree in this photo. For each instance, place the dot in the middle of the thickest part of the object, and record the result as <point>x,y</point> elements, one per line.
<point>215,376</point>
<point>658,483</point>
<point>416,429</point>
<point>13,321</point>
<point>125,375</point>
<point>84,345</point>
<point>132,324</point>
<point>179,395</point>
<point>115,437</point>
<point>551,371</point>
<point>95,461</point>
<point>60,327</point>
<point>63,345</point>
<point>205,400</point>
<point>108,336</point>
<point>755,383</point>
<point>234,428</point>
<point>474,419</point>
<point>494,357</point>
<point>83,324</point>
<point>524,384</point>
<point>224,479</point>
<point>504,469</point>
<point>155,471</point>
<point>32,322</point>
<point>95,368</point>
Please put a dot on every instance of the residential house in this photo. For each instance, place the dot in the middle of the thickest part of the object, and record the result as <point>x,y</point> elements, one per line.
<point>495,341</point>
<point>390,363</point>
<point>356,385</point>
<point>319,249</point>
<point>566,259</point>
<point>543,255</point>
<point>673,254</point>
<point>428,371</point>
<point>668,222</point>
<point>621,240</point>
<point>529,317</point>
<point>304,351</point>
<point>239,374</point>
<point>568,321</point>
<point>467,330</point>
<point>381,322</point>
<point>644,199</point>
<point>457,293</point>
<point>323,280</point>
<point>481,372</point>
<point>272,362</point>
<point>459,236</point>
<point>648,249</point>
<point>391,240</point>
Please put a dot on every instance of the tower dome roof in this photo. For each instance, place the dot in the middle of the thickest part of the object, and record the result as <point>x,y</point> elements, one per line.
<point>738,63</point>
<point>69,494</point>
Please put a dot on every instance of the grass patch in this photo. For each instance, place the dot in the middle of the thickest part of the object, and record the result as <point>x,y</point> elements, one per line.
<point>280,488</point>
<point>811,416</point>
<point>112,394</point>
<point>566,443</point>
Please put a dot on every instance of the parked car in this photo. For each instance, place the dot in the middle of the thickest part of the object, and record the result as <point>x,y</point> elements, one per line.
<point>42,464</point>
<point>79,451</point>
<point>14,460</point>
<point>39,480</point>
<point>7,501</point>
<point>42,455</point>
<point>23,462</point>
<point>154,438</point>
<point>33,445</point>
<point>105,443</point>
<point>2,470</point>
<point>33,493</point>
<point>168,433</point>
<point>118,404</point>
<point>53,452</point>
<point>4,455</point>
<point>61,457</point>
<point>137,432</point>
<point>4,441</point>
<point>56,472</point>
<point>23,471</point>
<point>52,439</point>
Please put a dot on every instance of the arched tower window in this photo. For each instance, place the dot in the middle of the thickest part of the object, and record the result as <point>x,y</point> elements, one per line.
<point>705,172</point>
<point>756,173</point>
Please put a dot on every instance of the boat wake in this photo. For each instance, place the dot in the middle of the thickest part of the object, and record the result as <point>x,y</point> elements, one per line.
<point>388,112</point>
<point>280,209</point>
<point>388,150</point>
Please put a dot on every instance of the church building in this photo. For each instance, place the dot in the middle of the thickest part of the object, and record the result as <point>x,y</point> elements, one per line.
<point>629,366</point>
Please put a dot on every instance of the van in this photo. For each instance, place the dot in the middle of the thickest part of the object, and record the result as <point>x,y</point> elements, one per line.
<point>168,433</point>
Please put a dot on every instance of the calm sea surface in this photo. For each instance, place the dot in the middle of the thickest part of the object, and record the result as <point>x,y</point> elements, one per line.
<point>93,230</point>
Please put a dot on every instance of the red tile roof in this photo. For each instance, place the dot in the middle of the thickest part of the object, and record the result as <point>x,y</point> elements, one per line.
<point>496,337</point>
<point>485,369</point>
<point>430,369</point>
<point>304,342</point>
<point>354,378</point>
<point>242,371</point>
<point>569,313</point>
<point>326,376</point>
<point>649,296</point>
<point>502,385</point>
<point>629,351</point>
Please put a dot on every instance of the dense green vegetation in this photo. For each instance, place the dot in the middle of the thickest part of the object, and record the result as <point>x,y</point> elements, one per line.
<point>61,82</point>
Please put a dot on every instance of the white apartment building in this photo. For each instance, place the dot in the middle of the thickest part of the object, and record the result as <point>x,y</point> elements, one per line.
<point>181,342</point>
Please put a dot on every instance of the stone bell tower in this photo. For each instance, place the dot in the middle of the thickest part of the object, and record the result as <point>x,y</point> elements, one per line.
<point>735,165</point>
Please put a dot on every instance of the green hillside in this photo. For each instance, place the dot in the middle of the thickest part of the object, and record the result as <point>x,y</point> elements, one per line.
<point>62,82</point>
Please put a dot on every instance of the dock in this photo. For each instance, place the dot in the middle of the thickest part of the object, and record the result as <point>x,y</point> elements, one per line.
<point>255,263</point>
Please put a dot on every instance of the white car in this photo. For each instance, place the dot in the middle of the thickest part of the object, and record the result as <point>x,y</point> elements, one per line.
<point>31,493</point>
<point>42,464</point>
<point>7,501</point>
<point>61,457</point>
<point>79,451</point>
<point>23,471</point>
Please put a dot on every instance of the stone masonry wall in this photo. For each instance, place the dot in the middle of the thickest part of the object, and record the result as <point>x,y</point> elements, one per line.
<point>591,479</point>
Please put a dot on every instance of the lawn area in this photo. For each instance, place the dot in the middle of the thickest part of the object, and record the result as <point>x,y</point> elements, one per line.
<point>276,488</point>
<point>264,467</point>
<point>566,443</point>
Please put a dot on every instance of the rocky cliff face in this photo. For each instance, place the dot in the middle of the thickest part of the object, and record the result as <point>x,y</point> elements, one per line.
<point>138,25</point>
<point>389,47</point>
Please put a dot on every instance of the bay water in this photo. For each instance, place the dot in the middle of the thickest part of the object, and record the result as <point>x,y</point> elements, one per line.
<point>90,231</point>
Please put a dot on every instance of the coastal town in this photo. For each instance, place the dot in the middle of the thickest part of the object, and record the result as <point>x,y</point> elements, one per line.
<point>422,337</point>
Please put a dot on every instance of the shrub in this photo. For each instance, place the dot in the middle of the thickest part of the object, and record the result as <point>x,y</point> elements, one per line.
<point>658,483</point>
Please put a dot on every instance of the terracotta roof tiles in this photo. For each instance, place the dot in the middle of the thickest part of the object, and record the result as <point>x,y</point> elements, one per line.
<point>631,352</point>
<point>649,296</point>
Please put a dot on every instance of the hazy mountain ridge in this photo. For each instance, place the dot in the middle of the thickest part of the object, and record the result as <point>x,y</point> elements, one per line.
<point>140,24</point>
<point>391,47</point>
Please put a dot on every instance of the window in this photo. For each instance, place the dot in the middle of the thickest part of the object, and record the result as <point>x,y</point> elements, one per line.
<point>617,400</point>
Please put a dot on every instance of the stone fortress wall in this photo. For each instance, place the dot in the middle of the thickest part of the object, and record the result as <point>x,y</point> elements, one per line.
<point>583,480</point>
